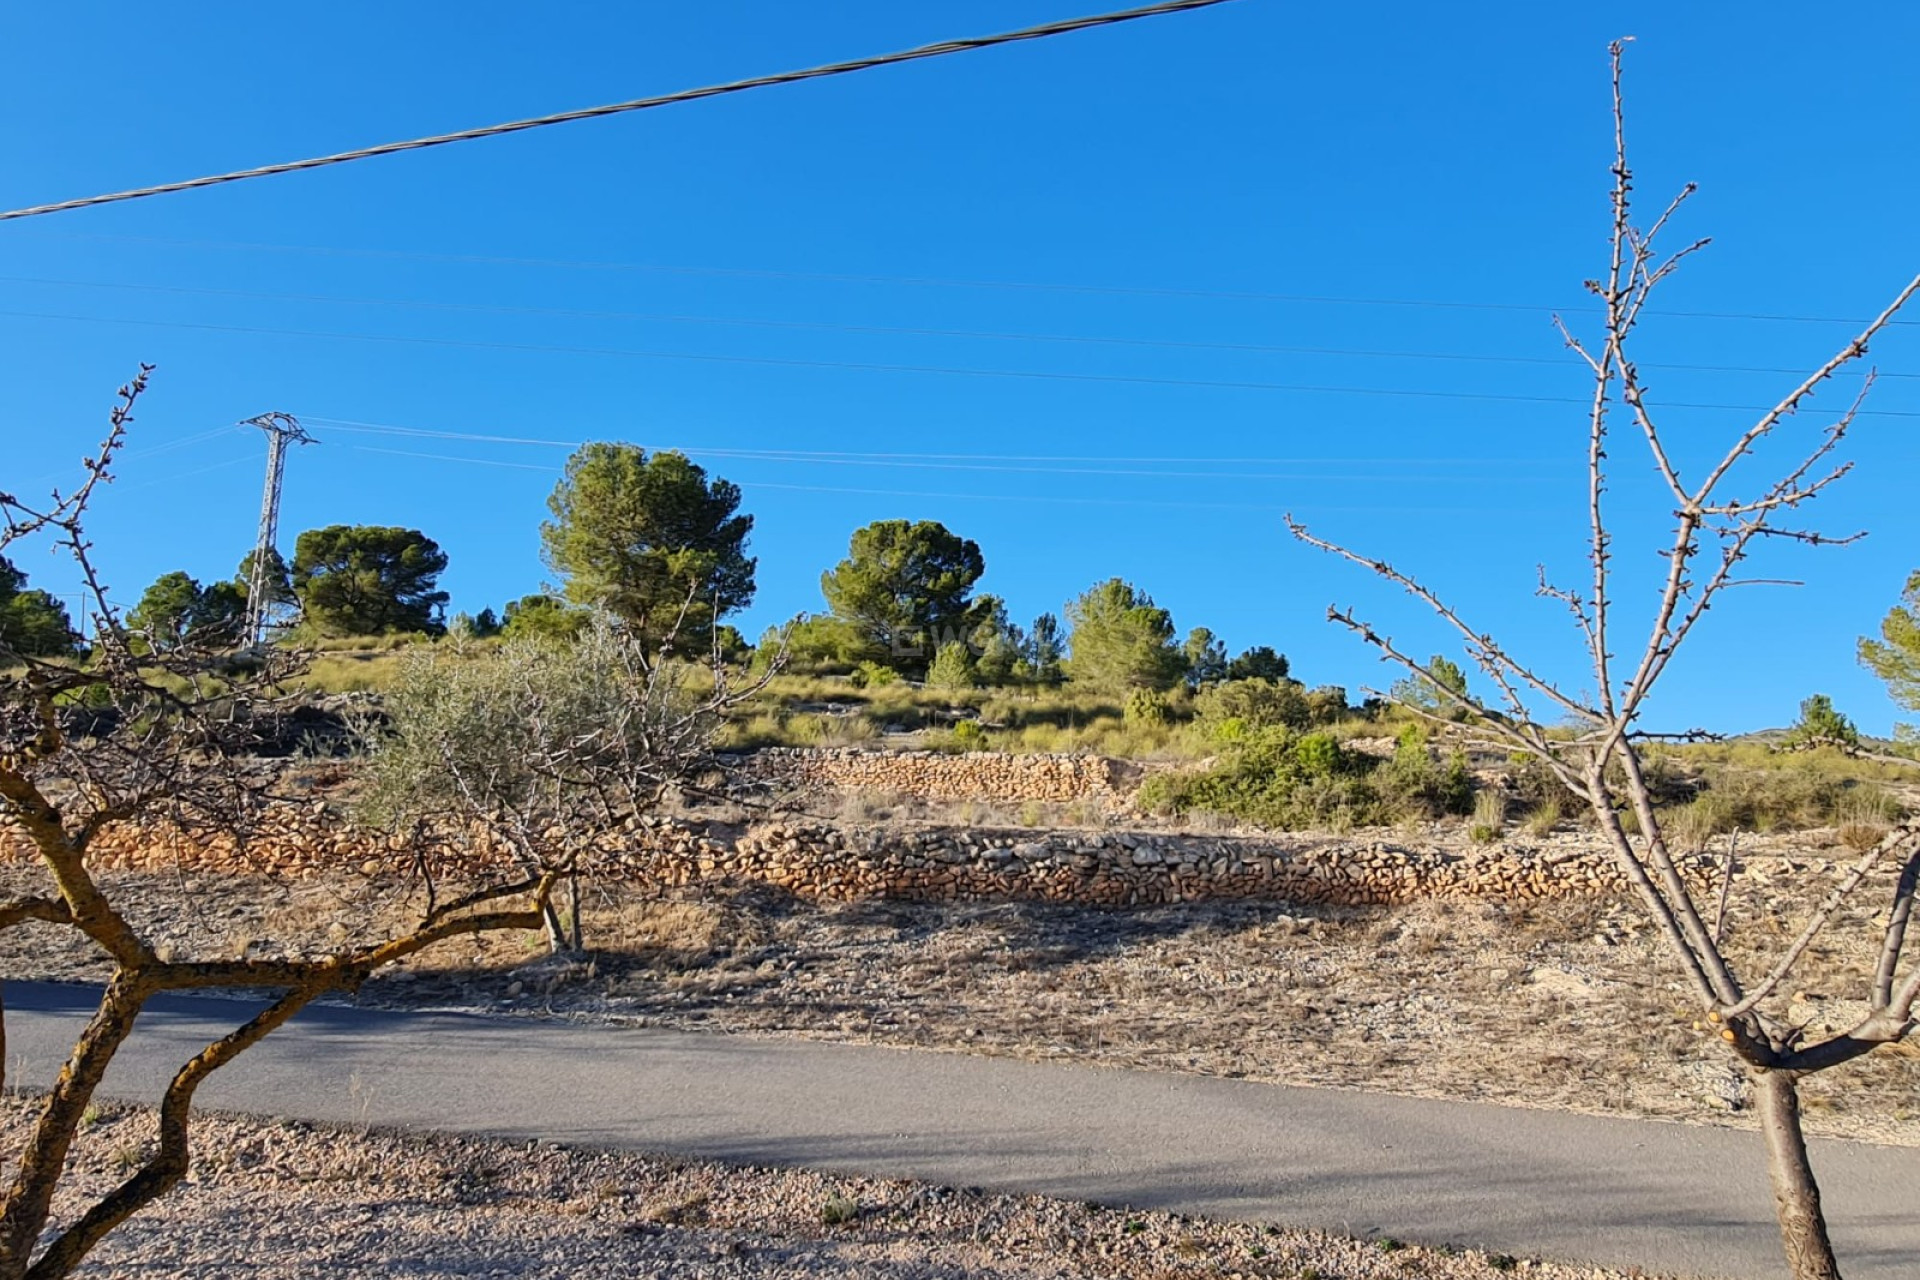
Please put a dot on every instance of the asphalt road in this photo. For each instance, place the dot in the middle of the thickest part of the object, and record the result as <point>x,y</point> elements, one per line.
<point>1666,1197</point>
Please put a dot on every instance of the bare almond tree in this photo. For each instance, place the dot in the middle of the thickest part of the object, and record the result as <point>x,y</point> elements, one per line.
<point>1720,517</point>
<point>151,738</point>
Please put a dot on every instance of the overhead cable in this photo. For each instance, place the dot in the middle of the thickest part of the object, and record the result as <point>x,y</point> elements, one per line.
<point>1043,375</point>
<point>938,50</point>
<point>1044,499</point>
<point>1563,361</point>
<point>1051,286</point>
<point>384,428</point>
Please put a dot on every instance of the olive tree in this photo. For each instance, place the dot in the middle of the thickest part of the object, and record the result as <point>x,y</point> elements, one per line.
<point>549,745</point>
<point>1721,515</point>
<point>159,743</point>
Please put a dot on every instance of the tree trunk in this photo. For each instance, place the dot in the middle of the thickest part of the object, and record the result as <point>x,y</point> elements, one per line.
<point>576,939</point>
<point>556,930</point>
<point>1796,1196</point>
<point>26,1203</point>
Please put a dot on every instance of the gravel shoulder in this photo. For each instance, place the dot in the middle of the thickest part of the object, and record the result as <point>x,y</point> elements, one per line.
<point>382,1203</point>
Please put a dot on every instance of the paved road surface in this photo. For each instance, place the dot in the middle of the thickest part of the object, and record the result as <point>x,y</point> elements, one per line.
<point>1619,1192</point>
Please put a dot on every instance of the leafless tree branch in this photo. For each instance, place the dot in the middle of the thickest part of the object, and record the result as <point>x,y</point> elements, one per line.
<point>1713,534</point>
<point>135,739</point>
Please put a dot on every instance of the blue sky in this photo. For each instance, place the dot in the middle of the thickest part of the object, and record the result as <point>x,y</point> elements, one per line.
<point>1210,268</point>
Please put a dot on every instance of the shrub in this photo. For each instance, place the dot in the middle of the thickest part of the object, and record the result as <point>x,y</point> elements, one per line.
<point>541,616</point>
<point>812,642</point>
<point>1254,703</point>
<point>1415,783</point>
<point>873,675</point>
<point>1327,704</point>
<point>1003,712</point>
<point>1146,707</point>
<point>1863,815</point>
<point>969,736</point>
<point>952,668</point>
<point>1165,793</point>
<point>1533,783</point>
<point>1275,778</point>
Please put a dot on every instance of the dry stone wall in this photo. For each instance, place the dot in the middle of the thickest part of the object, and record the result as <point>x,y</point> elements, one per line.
<point>1112,868</point>
<point>938,775</point>
<point>930,863</point>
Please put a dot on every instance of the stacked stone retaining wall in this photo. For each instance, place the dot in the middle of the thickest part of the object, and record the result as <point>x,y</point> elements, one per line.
<point>925,863</point>
<point>938,775</point>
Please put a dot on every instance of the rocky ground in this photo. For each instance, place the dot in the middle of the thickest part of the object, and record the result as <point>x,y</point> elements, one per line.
<point>374,1203</point>
<point>1560,1003</point>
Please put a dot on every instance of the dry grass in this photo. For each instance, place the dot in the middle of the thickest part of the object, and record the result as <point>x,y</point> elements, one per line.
<point>349,673</point>
<point>1489,818</point>
<point>1543,819</point>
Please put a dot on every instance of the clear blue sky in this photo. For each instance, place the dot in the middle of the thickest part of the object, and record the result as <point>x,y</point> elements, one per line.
<point>727,275</point>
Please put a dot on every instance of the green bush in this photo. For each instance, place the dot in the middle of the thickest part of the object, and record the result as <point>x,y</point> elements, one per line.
<point>1327,704</point>
<point>546,617</point>
<point>1276,778</point>
<point>1536,786</point>
<point>873,675</point>
<point>1252,704</point>
<point>952,668</point>
<point>1003,712</point>
<point>1415,783</point>
<point>1147,707</point>
<point>814,642</point>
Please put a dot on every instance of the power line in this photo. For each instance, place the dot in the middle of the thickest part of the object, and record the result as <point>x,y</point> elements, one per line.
<point>381,428</point>
<point>1249,348</point>
<point>1043,375</point>
<point>151,451</point>
<point>938,50</point>
<point>1046,499</point>
<point>744,455</point>
<point>1150,291</point>
<point>169,446</point>
<point>185,475</point>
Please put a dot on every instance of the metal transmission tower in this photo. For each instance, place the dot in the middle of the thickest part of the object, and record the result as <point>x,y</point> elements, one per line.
<point>280,428</point>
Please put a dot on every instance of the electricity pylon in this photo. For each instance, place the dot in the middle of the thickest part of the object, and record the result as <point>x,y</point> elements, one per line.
<point>280,428</point>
